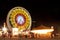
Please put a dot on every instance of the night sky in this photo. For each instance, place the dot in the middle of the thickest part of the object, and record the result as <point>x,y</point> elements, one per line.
<point>41,11</point>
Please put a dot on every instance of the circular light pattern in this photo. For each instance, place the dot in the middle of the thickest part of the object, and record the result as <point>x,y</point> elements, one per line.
<point>19,17</point>
<point>20,20</point>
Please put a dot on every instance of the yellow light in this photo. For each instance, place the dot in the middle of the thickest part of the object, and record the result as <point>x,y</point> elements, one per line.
<point>0,33</point>
<point>43,31</point>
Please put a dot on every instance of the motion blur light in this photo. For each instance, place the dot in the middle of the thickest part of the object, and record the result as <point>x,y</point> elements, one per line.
<point>44,31</point>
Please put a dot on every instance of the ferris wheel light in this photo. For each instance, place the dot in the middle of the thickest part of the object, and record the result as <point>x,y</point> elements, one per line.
<point>19,17</point>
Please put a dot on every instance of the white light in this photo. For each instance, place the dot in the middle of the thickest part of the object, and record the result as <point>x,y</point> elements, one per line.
<point>14,31</point>
<point>52,27</point>
<point>44,31</point>
<point>4,29</point>
<point>20,19</point>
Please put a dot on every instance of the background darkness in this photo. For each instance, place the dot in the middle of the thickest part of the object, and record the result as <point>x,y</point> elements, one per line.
<point>41,11</point>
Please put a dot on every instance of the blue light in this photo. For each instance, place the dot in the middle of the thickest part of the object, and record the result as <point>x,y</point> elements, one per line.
<point>20,19</point>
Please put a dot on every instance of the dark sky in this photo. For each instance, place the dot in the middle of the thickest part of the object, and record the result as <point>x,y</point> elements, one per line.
<point>40,11</point>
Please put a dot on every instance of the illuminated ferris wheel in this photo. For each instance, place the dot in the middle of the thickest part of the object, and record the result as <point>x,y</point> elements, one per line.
<point>19,17</point>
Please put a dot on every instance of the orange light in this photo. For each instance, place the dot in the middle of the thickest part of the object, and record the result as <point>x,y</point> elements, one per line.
<point>42,31</point>
<point>0,33</point>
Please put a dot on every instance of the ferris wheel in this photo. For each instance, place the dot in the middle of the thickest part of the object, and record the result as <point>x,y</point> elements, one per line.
<point>20,18</point>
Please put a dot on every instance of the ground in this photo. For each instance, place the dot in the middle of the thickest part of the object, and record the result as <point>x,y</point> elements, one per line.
<point>28,39</point>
